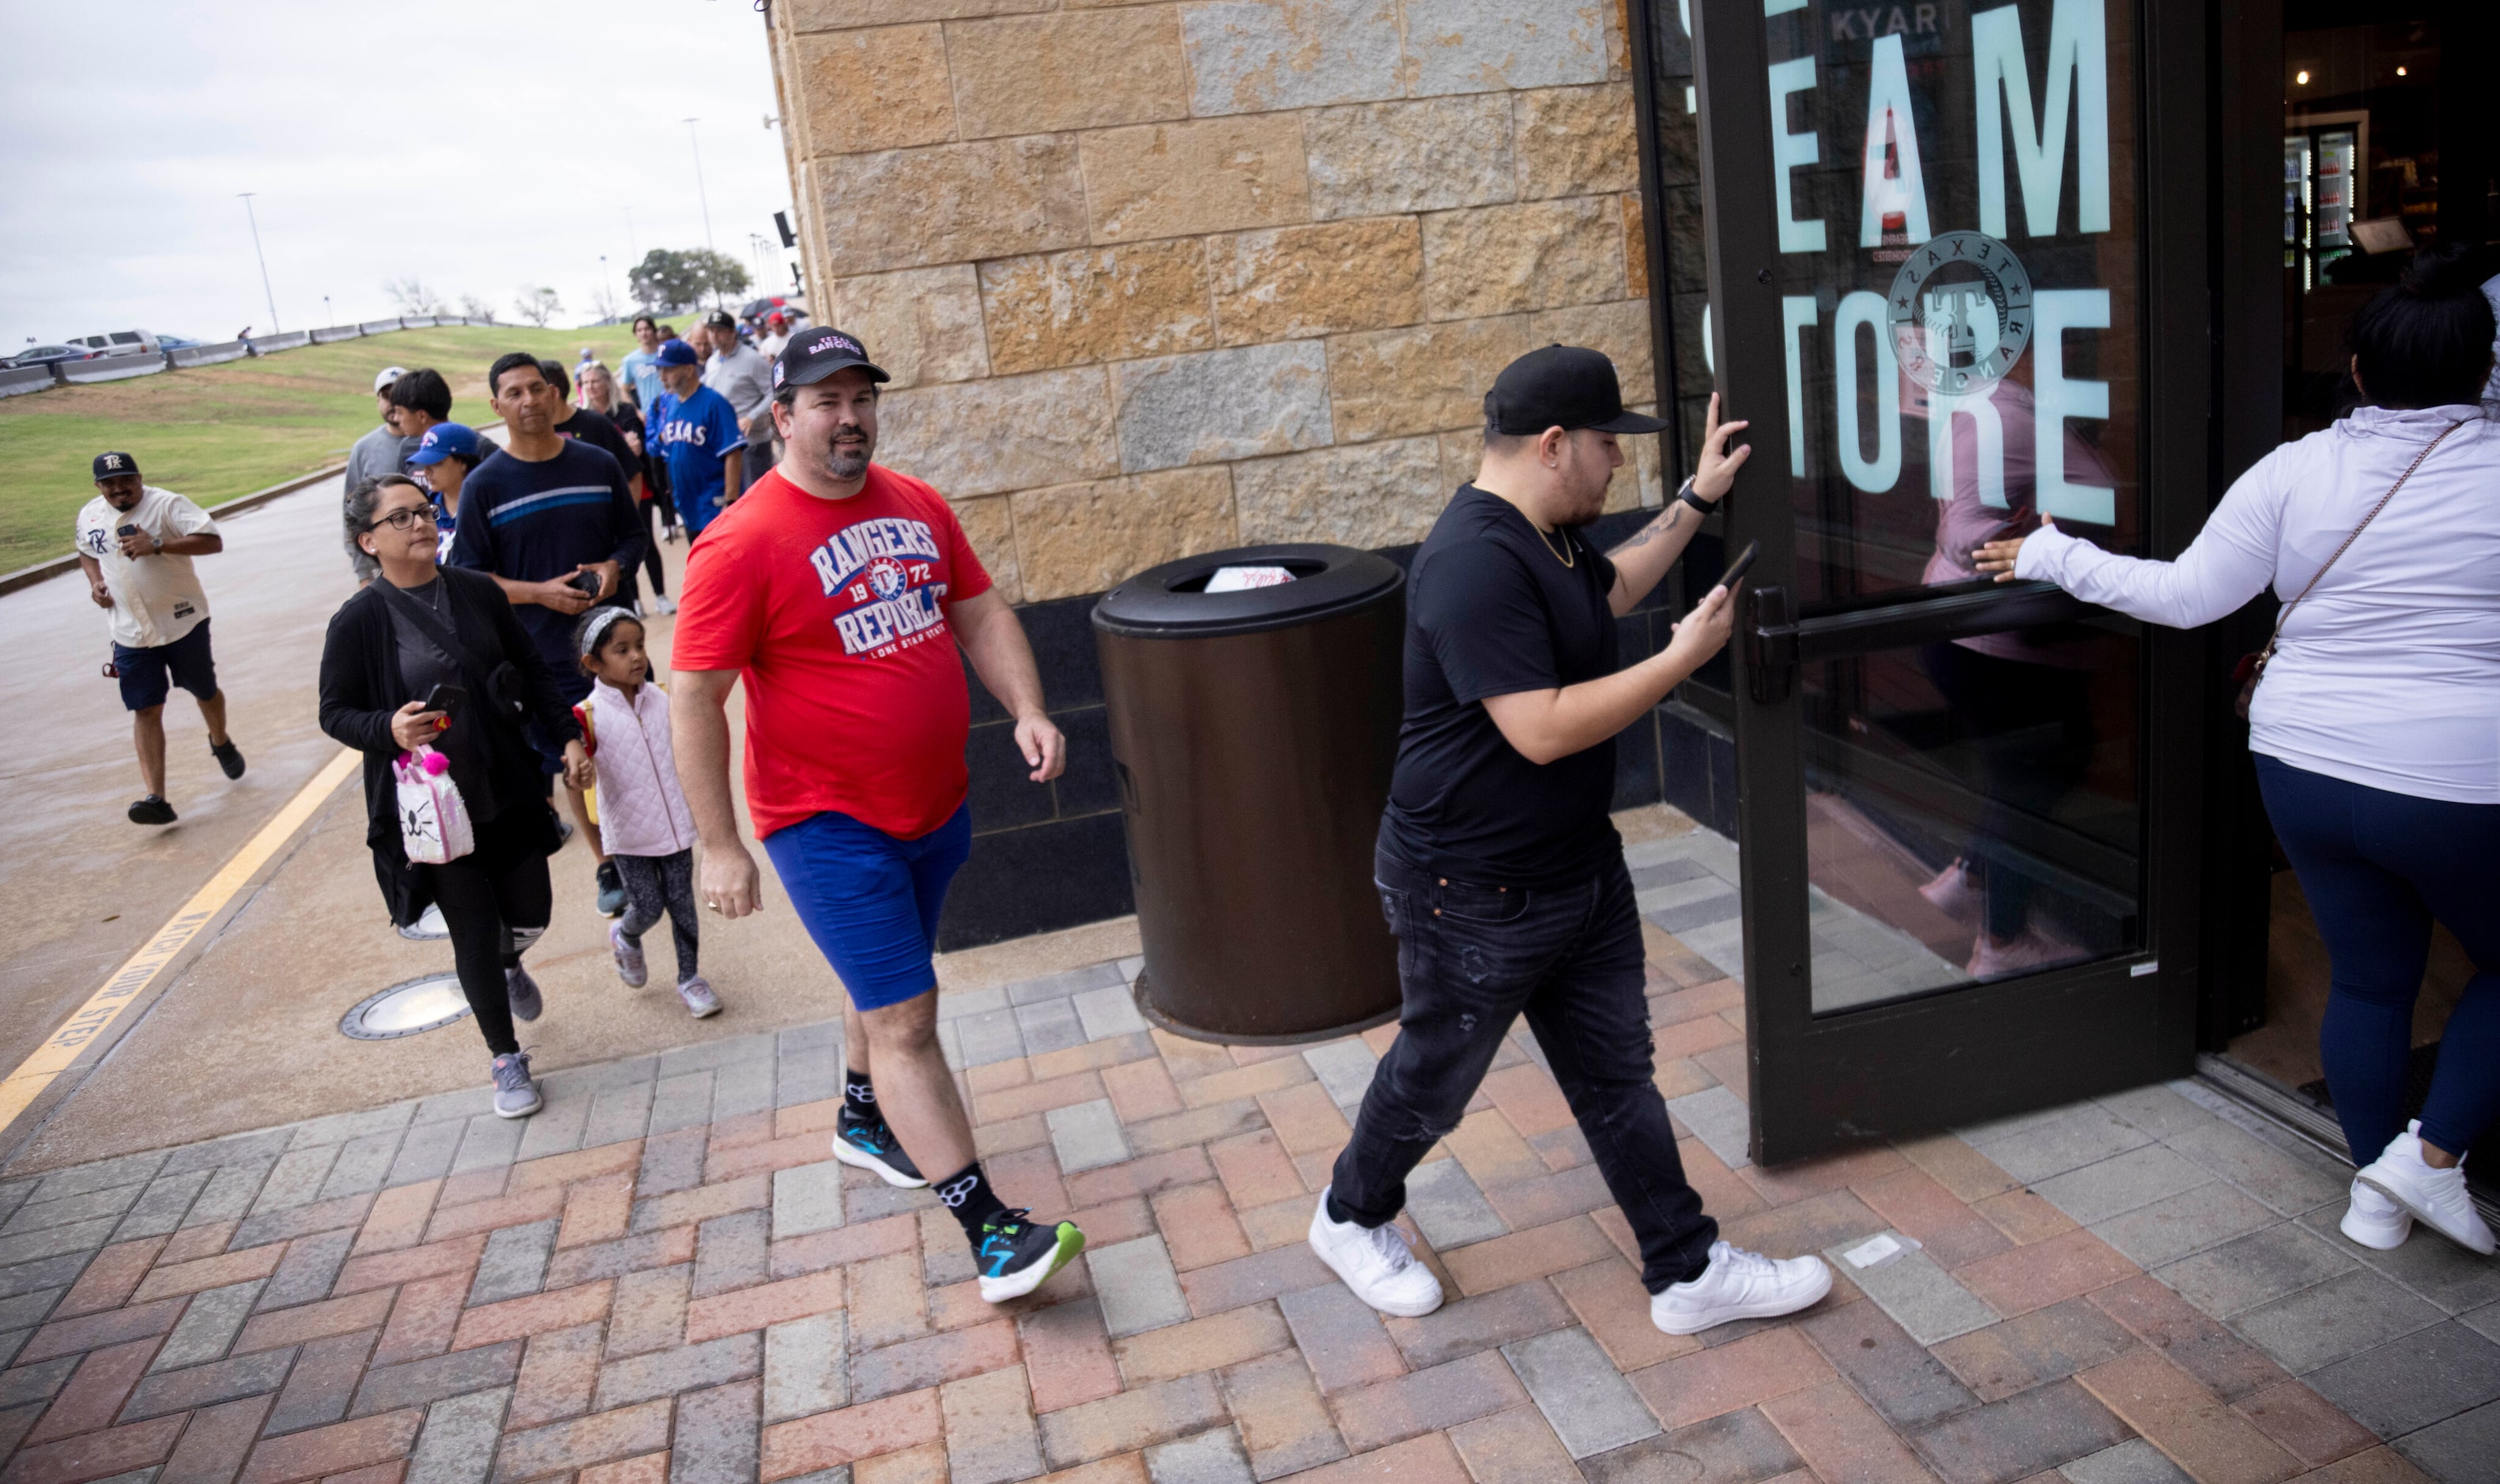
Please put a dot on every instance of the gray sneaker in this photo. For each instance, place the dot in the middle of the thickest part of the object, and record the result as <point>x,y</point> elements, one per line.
<point>523,991</point>
<point>516,1094</point>
<point>700,1000</point>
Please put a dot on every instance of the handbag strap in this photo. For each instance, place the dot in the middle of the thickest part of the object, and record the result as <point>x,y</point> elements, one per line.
<point>444,635</point>
<point>2276,637</point>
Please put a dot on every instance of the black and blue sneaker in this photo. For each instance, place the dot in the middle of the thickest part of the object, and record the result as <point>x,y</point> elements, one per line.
<point>1017,1256</point>
<point>866,1143</point>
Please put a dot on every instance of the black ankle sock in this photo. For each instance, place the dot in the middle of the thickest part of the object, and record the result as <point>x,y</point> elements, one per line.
<point>859,1095</point>
<point>967,1193</point>
<point>1337,1212</point>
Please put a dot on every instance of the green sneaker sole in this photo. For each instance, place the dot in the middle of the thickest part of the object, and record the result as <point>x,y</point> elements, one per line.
<point>1016,1285</point>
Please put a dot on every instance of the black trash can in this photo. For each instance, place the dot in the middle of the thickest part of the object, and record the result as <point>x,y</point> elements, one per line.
<point>1253,733</point>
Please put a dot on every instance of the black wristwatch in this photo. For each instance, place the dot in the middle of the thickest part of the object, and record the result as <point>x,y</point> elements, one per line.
<point>1688,495</point>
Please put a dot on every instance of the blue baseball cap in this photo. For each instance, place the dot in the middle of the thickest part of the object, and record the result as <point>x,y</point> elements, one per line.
<point>678,352</point>
<point>443,441</point>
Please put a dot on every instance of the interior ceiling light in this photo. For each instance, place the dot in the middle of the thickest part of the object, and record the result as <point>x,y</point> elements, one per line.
<point>2400,71</point>
<point>2301,78</point>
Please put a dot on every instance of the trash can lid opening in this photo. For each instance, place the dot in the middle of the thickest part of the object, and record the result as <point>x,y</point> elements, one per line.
<point>1196,581</point>
<point>1171,601</point>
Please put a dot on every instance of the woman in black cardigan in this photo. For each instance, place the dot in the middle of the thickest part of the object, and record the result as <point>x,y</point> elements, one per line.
<point>421,626</point>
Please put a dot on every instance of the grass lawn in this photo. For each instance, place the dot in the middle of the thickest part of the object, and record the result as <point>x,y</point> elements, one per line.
<point>217,432</point>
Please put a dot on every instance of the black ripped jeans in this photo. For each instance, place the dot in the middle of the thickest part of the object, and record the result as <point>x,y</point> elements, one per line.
<point>1472,958</point>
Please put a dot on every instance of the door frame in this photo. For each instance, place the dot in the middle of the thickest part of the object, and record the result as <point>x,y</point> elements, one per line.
<point>1817,1084</point>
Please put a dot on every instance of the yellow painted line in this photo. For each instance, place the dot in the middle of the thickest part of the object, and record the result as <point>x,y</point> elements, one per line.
<point>105,1007</point>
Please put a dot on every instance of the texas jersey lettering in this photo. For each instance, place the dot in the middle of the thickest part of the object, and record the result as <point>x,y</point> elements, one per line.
<point>886,570</point>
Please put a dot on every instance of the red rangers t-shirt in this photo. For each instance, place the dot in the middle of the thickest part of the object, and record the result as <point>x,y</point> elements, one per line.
<point>834,611</point>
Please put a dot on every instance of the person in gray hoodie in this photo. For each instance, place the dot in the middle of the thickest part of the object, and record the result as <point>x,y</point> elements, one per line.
<point>377,454</point>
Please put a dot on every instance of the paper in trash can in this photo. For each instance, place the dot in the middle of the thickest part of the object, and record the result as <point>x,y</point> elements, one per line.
<point>1233,579</point>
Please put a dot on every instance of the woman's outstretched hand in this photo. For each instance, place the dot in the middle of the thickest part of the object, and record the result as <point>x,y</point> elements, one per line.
<point>1998,556</point>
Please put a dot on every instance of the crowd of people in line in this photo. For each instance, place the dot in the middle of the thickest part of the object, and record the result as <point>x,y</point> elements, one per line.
<point>497,628</point>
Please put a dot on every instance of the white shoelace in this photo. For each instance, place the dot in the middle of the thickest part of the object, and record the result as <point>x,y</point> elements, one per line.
<point>1394,1256</point>
<point>1743,1264</point>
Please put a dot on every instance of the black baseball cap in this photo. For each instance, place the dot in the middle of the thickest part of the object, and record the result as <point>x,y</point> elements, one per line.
<point>720,319</point>
<point>817,353</point>
<point>1561,386</point>
<point>107,465</point>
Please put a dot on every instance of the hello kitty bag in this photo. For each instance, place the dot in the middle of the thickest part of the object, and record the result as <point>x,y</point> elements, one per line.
<point>433,823</point>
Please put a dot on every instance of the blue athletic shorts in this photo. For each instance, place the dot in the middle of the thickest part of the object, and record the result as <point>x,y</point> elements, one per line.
<point>871,901</point>
<point>149,675</point>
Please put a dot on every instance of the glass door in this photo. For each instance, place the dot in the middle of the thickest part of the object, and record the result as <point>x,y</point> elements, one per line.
<point>1952,306</point>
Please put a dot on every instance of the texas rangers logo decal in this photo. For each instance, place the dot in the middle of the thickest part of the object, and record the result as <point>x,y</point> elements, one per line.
<point>887,578</point>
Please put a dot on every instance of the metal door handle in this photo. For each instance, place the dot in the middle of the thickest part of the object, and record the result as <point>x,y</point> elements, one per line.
<point>1770,644</point>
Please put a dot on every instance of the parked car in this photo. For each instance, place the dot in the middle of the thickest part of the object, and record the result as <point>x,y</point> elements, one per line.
<point>120,342</point>
<point>45,356</point>
<point>176,343</point>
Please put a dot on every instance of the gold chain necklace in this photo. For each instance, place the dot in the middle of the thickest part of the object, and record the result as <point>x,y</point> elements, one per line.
<point>1567,557</point>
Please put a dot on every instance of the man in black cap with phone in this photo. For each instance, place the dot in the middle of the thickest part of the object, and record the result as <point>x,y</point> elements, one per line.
<point>1498,868</point>
<point>135,543</point>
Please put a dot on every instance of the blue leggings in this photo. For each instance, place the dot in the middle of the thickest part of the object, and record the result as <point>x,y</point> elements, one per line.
<point>2378,868</point>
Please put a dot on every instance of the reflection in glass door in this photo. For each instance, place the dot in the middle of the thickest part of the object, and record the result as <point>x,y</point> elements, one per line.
<point>1949,299</point>
<point>1958,283</point>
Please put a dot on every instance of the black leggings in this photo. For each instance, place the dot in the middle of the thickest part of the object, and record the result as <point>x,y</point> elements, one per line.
<point>657,883</point>
<point>656,522</point>
<point>496,900</point>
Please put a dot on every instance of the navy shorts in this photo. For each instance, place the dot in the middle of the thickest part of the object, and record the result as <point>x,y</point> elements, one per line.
<point>147,676</point>
<point>871,901</point>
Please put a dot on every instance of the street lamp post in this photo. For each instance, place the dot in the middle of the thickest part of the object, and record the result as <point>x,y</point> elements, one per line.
<point>701,197</point>
<point>265,289</point>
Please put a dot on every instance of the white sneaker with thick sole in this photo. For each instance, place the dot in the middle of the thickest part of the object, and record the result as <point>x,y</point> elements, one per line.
<point>2374,1221</point>
<point>1376,1263</point>
<point>2438,1196</point>
<point>1739,1285</point>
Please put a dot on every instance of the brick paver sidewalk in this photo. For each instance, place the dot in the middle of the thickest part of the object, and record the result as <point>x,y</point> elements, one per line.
<point>662,1277</point>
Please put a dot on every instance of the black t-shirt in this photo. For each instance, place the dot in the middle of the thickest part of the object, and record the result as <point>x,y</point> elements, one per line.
<point>1492,610</point>
<point>596,430</point>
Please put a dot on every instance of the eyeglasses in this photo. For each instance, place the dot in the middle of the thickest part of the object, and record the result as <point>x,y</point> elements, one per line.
<point>405,521</point>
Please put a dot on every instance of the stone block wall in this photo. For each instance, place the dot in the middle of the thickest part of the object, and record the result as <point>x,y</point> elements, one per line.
<point>1164,277</point>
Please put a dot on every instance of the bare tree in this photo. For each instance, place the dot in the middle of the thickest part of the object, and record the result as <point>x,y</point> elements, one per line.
<point>473,308</point>
<point>537,305</point>
<point>603,304</point>
<point>411,297</point>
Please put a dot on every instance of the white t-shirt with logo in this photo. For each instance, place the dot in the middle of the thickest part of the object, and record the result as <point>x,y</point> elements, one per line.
<point>157,600</point>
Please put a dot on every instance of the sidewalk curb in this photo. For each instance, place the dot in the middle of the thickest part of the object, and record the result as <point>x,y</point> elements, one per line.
<point>61,566</point>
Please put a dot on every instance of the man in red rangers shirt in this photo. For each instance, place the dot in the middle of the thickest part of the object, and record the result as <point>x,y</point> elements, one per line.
<point>832,587</point>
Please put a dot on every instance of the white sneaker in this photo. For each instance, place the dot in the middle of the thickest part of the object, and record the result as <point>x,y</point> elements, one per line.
<point>2437,1196</point>
<point>1739,1285</point>
<point>1376,1263</point>
<point>2374,1221</point>
<point>2034,948</point>
<point>663,605</point>
<point>1952,893</point>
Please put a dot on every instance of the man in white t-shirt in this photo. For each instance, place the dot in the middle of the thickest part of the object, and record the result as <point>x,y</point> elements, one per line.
<point>135,543</point>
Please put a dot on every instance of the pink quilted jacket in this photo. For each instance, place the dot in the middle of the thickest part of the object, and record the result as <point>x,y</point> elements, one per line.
<point>641,810</point>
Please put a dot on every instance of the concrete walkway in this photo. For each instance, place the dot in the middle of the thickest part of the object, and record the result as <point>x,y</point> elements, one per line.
<point>662,1277</point>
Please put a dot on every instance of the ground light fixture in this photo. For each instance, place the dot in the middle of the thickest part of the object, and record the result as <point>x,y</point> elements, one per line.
<point>409,1007</point>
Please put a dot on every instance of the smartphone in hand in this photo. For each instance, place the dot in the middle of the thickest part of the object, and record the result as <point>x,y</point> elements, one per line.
<point>586,582</point>
<point>447,699</point>
<point>1737,569</point>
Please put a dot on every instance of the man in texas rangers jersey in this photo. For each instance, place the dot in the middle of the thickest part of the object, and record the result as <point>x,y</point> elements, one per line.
<point>833,588</point>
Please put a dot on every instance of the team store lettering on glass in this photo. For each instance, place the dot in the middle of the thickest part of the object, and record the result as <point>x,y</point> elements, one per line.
<point>887,568</point>
<point>1964,309</point>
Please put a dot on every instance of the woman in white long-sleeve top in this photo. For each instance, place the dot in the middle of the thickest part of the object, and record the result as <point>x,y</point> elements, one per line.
<point>2376,721</point>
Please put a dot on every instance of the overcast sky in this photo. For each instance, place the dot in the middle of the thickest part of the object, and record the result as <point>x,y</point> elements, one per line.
<point>481,146</point>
